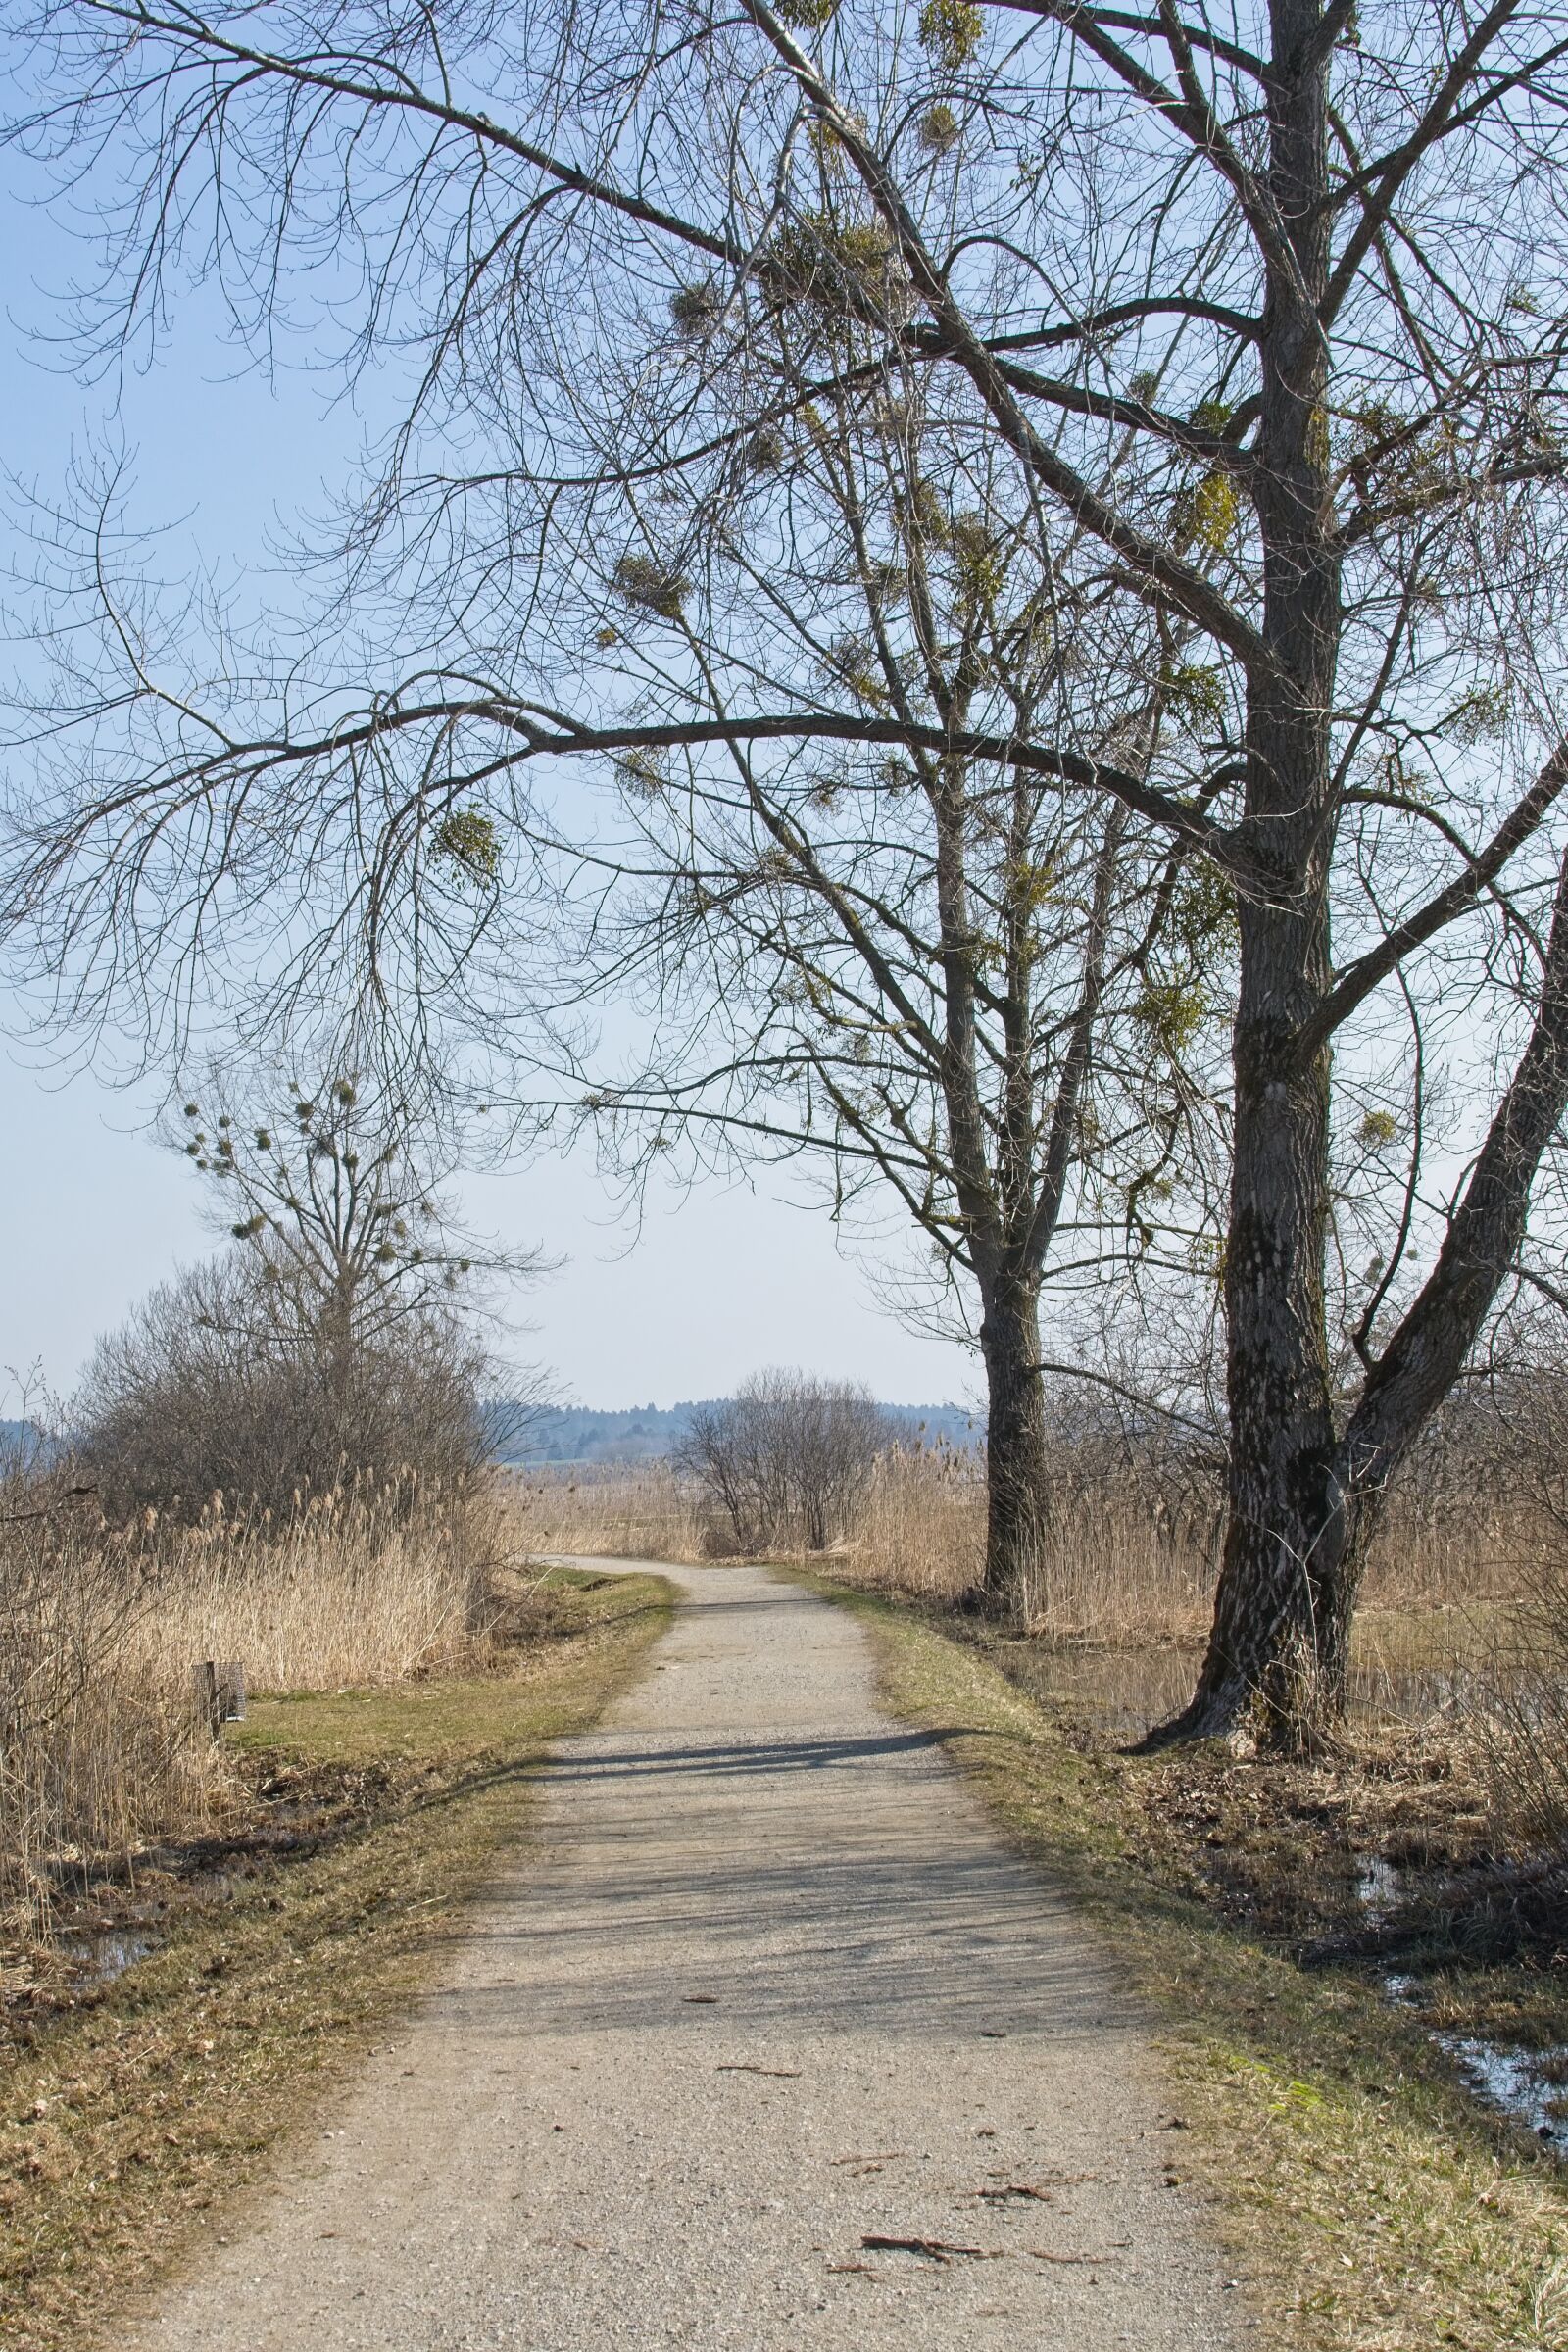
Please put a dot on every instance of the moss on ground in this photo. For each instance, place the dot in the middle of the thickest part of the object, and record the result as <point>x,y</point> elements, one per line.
<point>132,2118</point>
<point>1368,2204</point>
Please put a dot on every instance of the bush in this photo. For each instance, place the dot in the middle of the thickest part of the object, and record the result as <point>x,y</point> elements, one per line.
<point>206,1390</point>
<point>787,1459</point>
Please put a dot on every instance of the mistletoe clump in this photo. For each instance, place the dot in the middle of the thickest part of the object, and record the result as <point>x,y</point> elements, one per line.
<point>652,586</point>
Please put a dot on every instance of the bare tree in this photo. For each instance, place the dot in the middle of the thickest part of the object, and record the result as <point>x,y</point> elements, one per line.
<point>956,971</point>
<point>787,1457</point>
<point>338,1189</point>
<point>949,979</point>
<point>1252,314</point>
<point>338,1335</point>
<point>207,1390</point>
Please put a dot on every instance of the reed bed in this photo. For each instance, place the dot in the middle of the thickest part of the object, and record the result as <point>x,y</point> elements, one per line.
<point>103,1746</point>
<point>364,1585</point>
<point>1116,1612</point>
<point>611,1513</point>
<point>1130,1558</point>
<point>1528,1751</point>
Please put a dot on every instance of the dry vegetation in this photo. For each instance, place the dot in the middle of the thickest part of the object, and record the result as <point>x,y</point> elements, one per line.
<point>357,1826</point>
<point>104,1750</point>
<point>1129,1587</point>
<point>611,1513</point>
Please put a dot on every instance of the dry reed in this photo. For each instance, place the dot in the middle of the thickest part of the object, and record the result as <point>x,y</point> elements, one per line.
<point>102,1745</point>
<point>1122,1566</point>
<point>364,1586</point>
<point>1527,1752</point>
<point>1122,1599</point>
<point>612,1513</point>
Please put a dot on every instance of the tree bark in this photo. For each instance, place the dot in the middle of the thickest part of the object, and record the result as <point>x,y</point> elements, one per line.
<point>1018,1498</point>
<point>1283,1618</point>
<point>1279,1625</point>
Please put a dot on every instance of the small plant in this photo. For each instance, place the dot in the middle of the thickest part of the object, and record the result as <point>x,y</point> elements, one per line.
<point>469,842</point>
<point>951,30</point>
<point>763,451</point>
<point>642,773</point>
<point>939,131</point>
<point>842,268</point>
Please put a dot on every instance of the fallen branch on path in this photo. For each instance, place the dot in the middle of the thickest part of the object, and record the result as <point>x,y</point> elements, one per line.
<point>934,2249</point>
<point>736,2066</point>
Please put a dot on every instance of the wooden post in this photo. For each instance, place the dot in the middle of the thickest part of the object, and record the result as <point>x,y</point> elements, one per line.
<point>206,1697</point>
<point>220,1693</point>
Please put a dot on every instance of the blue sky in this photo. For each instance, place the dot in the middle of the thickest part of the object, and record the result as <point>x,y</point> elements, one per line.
<point>715,1284</point>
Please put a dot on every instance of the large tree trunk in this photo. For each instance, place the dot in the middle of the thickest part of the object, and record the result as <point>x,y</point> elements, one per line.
<point>1280,1621</point>
<point>1018,1500</point>
<point>1288,1585</point>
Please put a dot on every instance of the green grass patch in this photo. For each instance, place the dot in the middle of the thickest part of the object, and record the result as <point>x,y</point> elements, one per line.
<point>1367,2203</point>
<point>132,2119</point>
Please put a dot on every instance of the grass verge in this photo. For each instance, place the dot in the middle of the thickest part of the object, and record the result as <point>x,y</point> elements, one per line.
<point>1368,2204</point>
<point>130,2117</point>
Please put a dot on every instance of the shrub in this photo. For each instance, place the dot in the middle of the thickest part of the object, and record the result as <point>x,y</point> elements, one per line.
<point>787,1459</point>
<point>210,1389</point>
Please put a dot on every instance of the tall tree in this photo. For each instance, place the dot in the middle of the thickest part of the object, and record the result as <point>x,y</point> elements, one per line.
<point>1253,309</point>
<point>955,978</point>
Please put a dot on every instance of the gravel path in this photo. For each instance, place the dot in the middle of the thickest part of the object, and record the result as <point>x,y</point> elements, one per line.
<point>771,1989</point>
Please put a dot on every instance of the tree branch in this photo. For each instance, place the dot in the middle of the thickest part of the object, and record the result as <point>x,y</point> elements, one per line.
<point>1360,978</point>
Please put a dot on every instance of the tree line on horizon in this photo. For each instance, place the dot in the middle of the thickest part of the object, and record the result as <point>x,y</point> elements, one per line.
<point>569,1433</point>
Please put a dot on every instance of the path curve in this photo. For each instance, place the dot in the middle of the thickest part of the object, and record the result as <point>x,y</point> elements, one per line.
<point>771,1986</point>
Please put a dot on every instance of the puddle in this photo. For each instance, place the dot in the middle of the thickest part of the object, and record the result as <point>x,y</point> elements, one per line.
<point>103,1953</point>
<point>1530,2086</point>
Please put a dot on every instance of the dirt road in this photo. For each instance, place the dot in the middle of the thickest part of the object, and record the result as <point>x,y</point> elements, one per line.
<point>772,1988</point>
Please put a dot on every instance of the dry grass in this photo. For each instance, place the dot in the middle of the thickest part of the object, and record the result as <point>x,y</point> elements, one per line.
<point>103,1749</point>
<point>1134,1561</point>
<point>1528,1748</point>
<point>136,2113</point>
<point>359,1587</point>
<point>612,1513</point>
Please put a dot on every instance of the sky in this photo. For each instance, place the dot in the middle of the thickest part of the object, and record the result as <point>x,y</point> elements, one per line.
<point>715,1283</point>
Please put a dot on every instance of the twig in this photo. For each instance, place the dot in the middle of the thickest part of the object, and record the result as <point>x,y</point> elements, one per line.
<point>1040,2254</point>
<point>934,2249</point>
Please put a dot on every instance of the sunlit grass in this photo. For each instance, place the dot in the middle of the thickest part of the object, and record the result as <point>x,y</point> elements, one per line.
<point>1367,2204</point>
<point>135,2117</point>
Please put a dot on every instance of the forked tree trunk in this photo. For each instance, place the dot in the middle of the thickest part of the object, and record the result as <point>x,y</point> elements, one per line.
<point>1302,1509</point>
<point>1018,1498</point>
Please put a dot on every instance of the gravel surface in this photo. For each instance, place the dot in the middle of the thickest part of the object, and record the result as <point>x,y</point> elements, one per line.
<point>771,1989</point>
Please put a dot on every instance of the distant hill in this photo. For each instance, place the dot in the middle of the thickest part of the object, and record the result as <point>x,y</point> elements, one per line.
<point>561,1434</point>
<point>23,1444</point>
